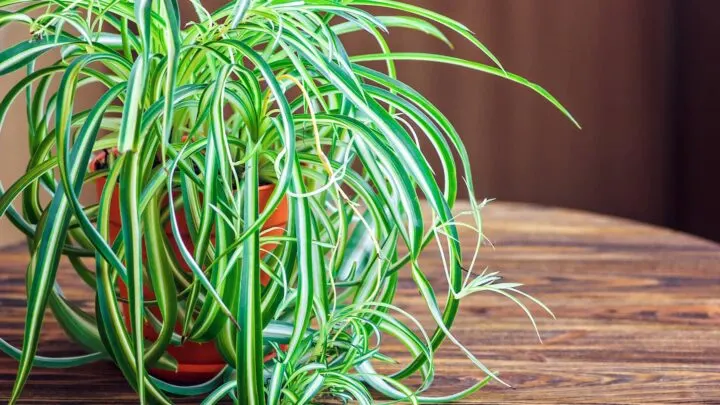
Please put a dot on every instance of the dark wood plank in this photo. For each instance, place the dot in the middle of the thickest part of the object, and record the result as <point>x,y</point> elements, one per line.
<point>637,307</point>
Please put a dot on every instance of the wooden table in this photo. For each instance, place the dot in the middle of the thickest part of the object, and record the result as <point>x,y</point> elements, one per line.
<point>638,311</point>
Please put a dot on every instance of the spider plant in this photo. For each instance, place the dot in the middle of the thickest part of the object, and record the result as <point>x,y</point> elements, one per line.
<point>202,114</point>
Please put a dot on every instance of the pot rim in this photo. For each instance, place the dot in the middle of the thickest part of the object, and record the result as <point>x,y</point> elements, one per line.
<point>101,154</point>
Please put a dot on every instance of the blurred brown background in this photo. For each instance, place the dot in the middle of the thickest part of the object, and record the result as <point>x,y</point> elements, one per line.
<point>639,75</point>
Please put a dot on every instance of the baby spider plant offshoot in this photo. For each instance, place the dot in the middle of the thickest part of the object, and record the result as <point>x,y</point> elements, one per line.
<point>260,192</point>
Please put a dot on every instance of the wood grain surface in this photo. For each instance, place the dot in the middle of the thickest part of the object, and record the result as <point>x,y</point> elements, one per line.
<point>638,318</point>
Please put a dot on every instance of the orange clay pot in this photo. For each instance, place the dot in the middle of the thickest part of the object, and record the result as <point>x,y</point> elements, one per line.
<point>197,362</point>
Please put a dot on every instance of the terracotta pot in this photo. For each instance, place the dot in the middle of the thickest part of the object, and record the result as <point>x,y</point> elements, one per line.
<point>197,362</point>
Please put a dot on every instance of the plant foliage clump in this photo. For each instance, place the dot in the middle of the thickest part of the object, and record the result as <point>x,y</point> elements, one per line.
<point>255,92</point>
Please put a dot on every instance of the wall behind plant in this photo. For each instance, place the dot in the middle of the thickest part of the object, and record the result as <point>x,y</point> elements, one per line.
<point>608,61</point>
<point>640,75</point>
<point>13,138</point>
